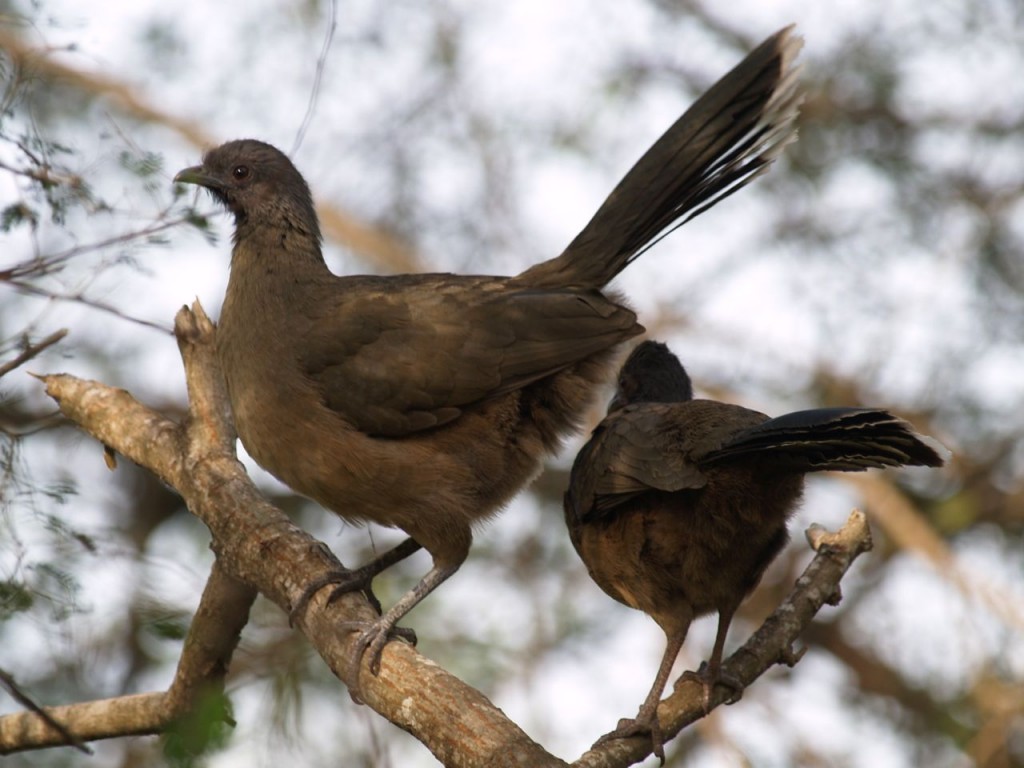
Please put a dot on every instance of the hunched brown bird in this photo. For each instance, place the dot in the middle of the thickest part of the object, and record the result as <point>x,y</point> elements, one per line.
<point>676,505</point>
<point>426,401</point>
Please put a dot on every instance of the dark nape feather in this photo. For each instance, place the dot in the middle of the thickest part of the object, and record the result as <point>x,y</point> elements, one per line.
<point>651,374</point>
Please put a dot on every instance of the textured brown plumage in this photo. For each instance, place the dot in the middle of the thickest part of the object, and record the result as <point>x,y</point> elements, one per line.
<point>677,506</point>
<point>426,401</point>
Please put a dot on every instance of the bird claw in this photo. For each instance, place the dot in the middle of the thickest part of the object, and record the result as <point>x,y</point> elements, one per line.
<point>708,680</point>
<point>373,636</point>
<point>344,582</point>
<point>354,581</point>
<point>638,726</point>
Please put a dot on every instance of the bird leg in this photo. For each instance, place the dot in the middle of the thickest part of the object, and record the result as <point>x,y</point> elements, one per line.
<point>710,673</point>
<point>358,580</point>
<point>646,720</point>
<point>374,635</point>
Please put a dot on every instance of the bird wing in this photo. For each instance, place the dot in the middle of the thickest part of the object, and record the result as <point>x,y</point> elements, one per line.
<point>635,450</point>
<point>651,447</point>
<point>409,353</point>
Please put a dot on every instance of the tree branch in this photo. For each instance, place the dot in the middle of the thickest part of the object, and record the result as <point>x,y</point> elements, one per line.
<point>140,714</point>
<point>216,628</point>
<point>223,611</point>
<point>12,687</point>
<point>259,545</point>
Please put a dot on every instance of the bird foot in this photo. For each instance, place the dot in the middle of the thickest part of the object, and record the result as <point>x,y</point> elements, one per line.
<point>344,582</point>
<point>708,679</point>
<point>373,636</point>
<point>641,725</point>
<point>404,633</point>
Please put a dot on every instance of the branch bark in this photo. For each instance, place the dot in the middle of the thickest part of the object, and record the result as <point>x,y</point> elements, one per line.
<point>258,545</point>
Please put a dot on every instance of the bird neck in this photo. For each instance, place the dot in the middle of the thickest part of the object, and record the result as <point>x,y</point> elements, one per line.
<point>282,247</point>
<point>274,276</point>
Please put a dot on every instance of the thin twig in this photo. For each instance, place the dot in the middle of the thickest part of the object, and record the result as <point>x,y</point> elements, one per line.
<point>7,680</point>
<point>76,297</point>
<point>41,265</point>
<point>321,62</point>
<point>32,350</point>
<point>43,175</point>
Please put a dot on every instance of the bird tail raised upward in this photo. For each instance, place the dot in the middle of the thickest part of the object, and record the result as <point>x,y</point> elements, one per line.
<point>720,144</point>
<point>846,439</point>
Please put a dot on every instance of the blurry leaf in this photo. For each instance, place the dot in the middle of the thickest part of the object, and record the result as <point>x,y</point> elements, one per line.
<point>202,732</point>
<point>142,165</point>
<point>168,627</point>
<point>14,597</point>
<point>16,214</point>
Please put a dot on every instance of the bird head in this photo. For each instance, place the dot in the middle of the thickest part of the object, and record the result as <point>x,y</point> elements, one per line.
<point>257,183</point>
<point>651,374</point>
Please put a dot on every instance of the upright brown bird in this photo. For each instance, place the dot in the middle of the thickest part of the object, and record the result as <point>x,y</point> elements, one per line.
<point>677,506</point>
<point>427,401</point>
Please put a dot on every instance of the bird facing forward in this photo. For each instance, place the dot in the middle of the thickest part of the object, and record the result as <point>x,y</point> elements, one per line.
<point>426,401</point>
<point>676,505</point>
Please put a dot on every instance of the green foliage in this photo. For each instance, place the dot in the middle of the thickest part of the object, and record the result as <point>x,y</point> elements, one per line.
<point>16,214</point>
<point>14,598</point>
<point>203,731</point>
<point>146,166</point>
<point>60,587</point>
<point>169,626</point>
<point>201,222</point>
<point>143,165</point>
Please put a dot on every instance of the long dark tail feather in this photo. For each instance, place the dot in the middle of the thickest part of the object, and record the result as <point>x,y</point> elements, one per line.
<point>720,144</point>
<point>847,439</point>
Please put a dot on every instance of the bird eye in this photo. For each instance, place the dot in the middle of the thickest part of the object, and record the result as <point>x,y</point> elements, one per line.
<point>240,172</point>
